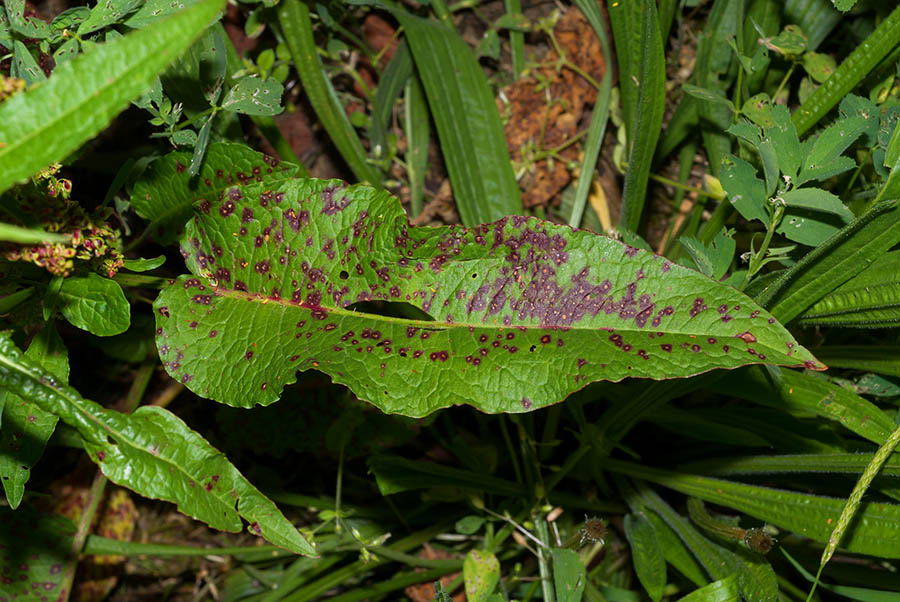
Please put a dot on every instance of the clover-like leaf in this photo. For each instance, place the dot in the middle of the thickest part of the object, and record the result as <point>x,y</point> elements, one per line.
<point>524,312</point>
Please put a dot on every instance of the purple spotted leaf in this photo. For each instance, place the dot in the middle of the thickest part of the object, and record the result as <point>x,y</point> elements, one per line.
<point>165,193</point>
<point>524,311</point>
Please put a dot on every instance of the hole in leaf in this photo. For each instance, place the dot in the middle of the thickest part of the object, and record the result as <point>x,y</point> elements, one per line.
<point>344,275</point>
<point>391,309</point>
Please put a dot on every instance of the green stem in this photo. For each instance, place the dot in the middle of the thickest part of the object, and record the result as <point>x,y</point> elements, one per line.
<point>757,259</point>
<point>543,551</point>
<point>680,186</point>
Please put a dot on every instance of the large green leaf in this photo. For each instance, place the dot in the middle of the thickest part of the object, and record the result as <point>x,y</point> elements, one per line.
<point>524,311</point>
<point>50,120</point>
<point>154,453</point>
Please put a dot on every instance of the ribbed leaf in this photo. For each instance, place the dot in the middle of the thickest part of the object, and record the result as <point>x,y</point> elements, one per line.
<point>877,532</point>
<point>791,463</point>
<point>724,590</point>
<point>834,262</point>
<point>646,554</point>
<point>881,359</point>
<point>154,453</point>
<point>870,299</point>
<point>467,121</point>
<point>47,122</point>
<point>524,312</point>
<point>650,104</point>
<point>799,392</point>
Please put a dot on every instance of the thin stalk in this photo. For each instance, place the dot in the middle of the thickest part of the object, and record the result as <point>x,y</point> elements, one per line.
<point>680,186</point>
<point>516,39</point>
<point>399,581</point>
<point>512,455</point>
<point>540,525</point>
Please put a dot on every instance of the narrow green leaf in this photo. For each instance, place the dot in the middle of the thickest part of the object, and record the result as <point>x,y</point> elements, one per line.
<point>47,122</point>
<point>713,259</point>
<point>697,426</point>
<point>756,579</point>
<point>569,575</point>
<point>20,235</point>
<point>675,551</point>
<point>869,299</point>
<point>800,392</point>
<point>276,266</point>
<point>882,359</point>
<point>293,16</point>
<point>791,463</point>
<point>26,426</point>
<point>646,554</point>
<point>394,474</point>
<point>724,590</point>
<point>853,593</point>
<point>154,453</point>
<point>95,304</point>
<point>468,125</point>
<point>850,72</point>
<point>854,501</point>
<point>418,136</point>
<point>784,139</point>
<point>599,116</point>
<point>877,532</point>
<point>651,100</point>
<point>393,79</point>
<point>481,574</point>
<point>837,260</point>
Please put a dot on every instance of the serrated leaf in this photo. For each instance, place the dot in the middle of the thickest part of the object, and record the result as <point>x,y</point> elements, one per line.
<point>809,227</point>
<point>29,27</point>
<point>818,200</point>
<point>24,66</point>
<point>481,573</point>
<point>154,10</point>
<point>723,590</point>
<point>569,575</point>
<point>95,304</point>
<point>758,109</point>
<point>791,42</point>
<point>165,194</point>
<point>47,122</point>
<point>105,13</point>
<point>154,453</point>
<point>255,96</point>
<point>783,136</point>
<point>831,169</point>
<point>276,268</point>
<point>834,140</point>
<point>819,66</point>
<point>745,191</point>
<point>646,554</point>
<point>26,426</point>
<point>713,259</point>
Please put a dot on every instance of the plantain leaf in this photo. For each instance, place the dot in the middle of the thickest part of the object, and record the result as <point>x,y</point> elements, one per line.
<point>467,122</point>
<point>870,299</point>
<point>876,533</point>
<point>50,120</point>
<point>520,313</point>
<point>154,453</point>
<point>646,554</point>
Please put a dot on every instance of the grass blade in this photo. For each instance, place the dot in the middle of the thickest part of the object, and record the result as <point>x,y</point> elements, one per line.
<point>882,359</point>
<point>50,120</point>
<point>599,118</point>
<point>293,16</point>
<point>418,135</point>
<point>790,463</point>
<point>468,124</point>
<point>650,103</point>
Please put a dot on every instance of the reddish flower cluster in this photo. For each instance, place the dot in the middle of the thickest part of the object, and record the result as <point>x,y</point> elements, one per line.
<point>91,238</point>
